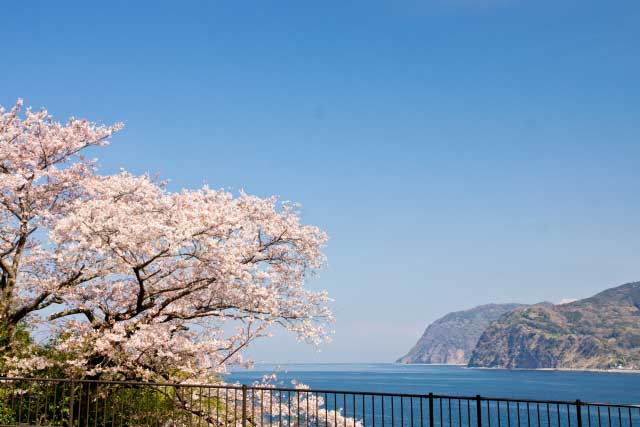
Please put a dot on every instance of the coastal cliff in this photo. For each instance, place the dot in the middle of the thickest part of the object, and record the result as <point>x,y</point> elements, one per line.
<point>600,332</point>
<point>452,338</point>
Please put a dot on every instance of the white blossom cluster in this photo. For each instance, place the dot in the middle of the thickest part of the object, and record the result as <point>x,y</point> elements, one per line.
<point>146,283</point>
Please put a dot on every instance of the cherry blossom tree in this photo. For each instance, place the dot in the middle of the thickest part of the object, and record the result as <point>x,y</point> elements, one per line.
<point>139,282</point>
<point>42,172</point>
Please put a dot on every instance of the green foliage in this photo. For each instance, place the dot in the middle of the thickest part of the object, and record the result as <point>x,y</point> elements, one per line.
<point>54,402</point>
<point>7,416</point>
<point>14,343</point>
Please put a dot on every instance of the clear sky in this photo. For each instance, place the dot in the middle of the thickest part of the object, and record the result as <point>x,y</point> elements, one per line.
<point>458,152</point>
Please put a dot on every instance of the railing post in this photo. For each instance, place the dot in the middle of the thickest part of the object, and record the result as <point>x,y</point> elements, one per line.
<point>430,409</point>
<point>72,390</point>
<point>479,410</point>
<point>244,405</point>
<point>579,412</point>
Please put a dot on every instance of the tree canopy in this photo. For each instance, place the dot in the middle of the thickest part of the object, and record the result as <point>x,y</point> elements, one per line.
<point>132,280</point>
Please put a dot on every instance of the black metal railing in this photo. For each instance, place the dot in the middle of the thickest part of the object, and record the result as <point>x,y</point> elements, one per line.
<point>78,403</point>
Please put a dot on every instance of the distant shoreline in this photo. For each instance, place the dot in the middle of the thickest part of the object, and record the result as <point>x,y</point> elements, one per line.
<point>613,371</point>
<point>431,364</point>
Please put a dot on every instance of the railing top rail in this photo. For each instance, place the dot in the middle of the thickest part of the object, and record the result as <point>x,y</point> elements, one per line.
<point>444,396</point>
<point>321,391</point>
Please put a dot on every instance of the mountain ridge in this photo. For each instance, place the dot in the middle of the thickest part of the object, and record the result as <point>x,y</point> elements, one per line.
<point>598,332</point>
<point>450,340</point>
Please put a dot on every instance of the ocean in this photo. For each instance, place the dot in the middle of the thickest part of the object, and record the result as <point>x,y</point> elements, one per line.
<point>454,380</point>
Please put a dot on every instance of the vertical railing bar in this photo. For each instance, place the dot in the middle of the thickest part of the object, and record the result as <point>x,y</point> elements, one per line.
<point>253,406</point>
<point>364,413</point>
<point>568,415</point>
<point>392,412</point>
<point>80,396</point>
<point>55,401</point>
<point>13,396</point>
<point>235,407</point>
<point>154,409</point>
<point>353,397</point>
<point>548,416</point>
<point>326,408</point>
<point>261,408</point>
<point>287,401</point>
<point>49,417</point>
<point>538,413</point>
<point>71,402</point>
<point>227,399</point>
<point>95,406</point>
<point>114,407</point>
<point>41,417</point>
<point>431,410</point>
<point>86,423</point>
<point>298,407</point>
<point>244,406</point>
<point>373,411</point>
<point>344,401</point>
<point>217,406</point>
<point>200,392</point>
<point>411,409</point>
<point>272,396</point>
<point>579,413</point>
<point>208,417</point>
<point>335,409</point>
<point>189,405</point>
<point>289,406</point>
<point>37,404</point>
<point>488,414</point>
<point>46,401</point>
<point>28,405</point>
<point>20,399</point>
<point>37,409</point>
<point>227,410</point>
<point>317,399</point>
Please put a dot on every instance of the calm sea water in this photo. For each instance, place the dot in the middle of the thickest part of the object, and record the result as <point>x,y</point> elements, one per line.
<point>453,380</point>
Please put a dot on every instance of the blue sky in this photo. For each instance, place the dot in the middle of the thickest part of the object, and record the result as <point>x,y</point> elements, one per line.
<point>458,152</point>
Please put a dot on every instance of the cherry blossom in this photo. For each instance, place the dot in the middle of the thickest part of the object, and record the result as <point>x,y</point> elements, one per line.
<point>146,283</point>
<point>42,172</point>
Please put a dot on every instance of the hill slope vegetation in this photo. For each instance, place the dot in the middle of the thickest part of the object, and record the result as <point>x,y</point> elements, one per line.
<point>452,338</point>
<point>601,332</point>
